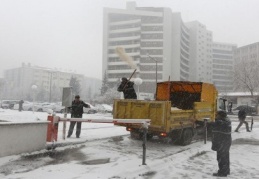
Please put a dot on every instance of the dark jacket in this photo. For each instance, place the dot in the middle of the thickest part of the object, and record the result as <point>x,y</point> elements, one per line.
<point>242,114</point>
<point>77,108</point>
<point>221,134</point>
<point>128,91</point>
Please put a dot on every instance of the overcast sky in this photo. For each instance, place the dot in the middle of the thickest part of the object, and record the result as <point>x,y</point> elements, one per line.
<point>67,34</point>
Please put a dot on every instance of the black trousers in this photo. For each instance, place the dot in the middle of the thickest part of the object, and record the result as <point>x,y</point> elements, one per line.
<point>71,128</point>
<point>223,162</point>
<point>241,122</point>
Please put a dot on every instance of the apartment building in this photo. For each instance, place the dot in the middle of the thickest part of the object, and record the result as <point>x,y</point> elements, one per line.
<point>155,38</point>
<point>200,52</point>
<point>223,66</point>
<point>247,53</point>
<point>49,82</point>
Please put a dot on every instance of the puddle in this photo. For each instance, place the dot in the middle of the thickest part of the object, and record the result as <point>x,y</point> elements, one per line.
<point>96,161</point>
<point>33,161</point>
<point>245,141</point>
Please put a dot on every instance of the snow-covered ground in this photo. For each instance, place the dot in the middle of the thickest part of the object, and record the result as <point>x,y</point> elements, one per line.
<point>105,151</point>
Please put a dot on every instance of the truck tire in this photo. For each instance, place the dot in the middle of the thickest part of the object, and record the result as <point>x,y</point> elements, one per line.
<point>186,137</point>
<point>136,135</point>
<point>139,135</point>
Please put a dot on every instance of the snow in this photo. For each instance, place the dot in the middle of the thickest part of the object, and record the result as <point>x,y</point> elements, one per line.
<point>105,151</point>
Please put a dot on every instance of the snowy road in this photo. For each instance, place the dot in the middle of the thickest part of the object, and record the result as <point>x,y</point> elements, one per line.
<point>105,151</point>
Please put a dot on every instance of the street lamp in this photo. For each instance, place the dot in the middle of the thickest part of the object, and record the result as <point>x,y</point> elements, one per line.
<point>155,60</point>
<point>138,81</point>
<point>34,88</point>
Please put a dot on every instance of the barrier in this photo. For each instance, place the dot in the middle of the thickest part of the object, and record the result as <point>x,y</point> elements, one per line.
<point>53,127</point>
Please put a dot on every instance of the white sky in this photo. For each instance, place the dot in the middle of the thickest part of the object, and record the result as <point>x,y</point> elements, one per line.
<point>67,34</point>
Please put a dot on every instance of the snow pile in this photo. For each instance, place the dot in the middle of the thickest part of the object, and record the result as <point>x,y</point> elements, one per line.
<point>105,151</point>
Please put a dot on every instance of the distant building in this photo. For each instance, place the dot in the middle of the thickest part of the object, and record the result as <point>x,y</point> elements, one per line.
<point>91,88</point>
<point>240,98</point>
<point>148,35</point>
<point>247,52</point>
<point>223,66</point>
<point>200,52</point>
<point>183,51</point>
<point>2,83</point>
<point>49,82</point>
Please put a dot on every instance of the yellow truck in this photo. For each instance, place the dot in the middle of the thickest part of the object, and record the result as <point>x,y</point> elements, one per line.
<point>178,112</point>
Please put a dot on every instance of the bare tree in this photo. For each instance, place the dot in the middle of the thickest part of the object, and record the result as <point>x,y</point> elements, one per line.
<point>246,77</point>
<point>109,96</point>
<point>76,87</point>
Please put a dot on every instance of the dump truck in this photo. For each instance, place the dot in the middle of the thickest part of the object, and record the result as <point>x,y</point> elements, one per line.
<point>180,111</point>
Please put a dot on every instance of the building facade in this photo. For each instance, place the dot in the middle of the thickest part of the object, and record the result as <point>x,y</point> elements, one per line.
<point>49,82</point>
<point>223,66</point>
<point>247,53</point>
<point>200,52</point>
<point>155,38</point>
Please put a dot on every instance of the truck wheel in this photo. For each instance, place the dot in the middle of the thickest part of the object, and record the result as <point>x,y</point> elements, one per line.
<point>149,136</point>
<point>186,137</point>
<point>136,135</point>
<point>175,136</point>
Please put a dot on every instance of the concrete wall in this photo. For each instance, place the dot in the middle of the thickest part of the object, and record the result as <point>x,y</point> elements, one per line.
<point>18,138</point>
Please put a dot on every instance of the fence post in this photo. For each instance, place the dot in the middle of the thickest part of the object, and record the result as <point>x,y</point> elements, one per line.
<point>205,131</point>
<point>64,125</point>
<point>145,126</point>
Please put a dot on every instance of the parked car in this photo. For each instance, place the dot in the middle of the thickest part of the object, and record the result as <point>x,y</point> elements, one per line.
<point>9,104</point>
<point>28,106</point>
<point>250,110</point>
<point>59,108</point>
<point>91,110</point>
<point>104,108</point>
<point>46,106</point>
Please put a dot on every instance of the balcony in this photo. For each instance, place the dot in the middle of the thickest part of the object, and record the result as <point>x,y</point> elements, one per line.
<point>125,22</point>
<point>124,38</point>
<point>125,30</point>
<point>125,46</point>
<point>129,54</point>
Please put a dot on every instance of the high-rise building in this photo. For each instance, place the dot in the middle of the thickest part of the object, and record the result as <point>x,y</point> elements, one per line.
<point>155,38</point>
<point>159,41</point>
<point>223,66</point>
<point>200,52</point>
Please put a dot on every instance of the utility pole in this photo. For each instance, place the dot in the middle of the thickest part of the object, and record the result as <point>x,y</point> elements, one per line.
<point>155,60</point>
<point>50,86</point>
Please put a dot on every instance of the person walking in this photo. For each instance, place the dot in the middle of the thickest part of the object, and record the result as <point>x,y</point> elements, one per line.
<point>242,118</point>
<point>76,112</point>
<point>230,107</point>
<point>127,87</point>
<point>221,142</point>
<point>20,105</point>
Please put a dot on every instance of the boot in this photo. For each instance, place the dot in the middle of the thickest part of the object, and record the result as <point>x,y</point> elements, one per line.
<point>219,175</point>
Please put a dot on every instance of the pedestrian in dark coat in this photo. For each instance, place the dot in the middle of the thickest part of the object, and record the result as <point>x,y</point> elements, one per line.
<point>242,118</point>
<point>76,112</point>
<point>127,87</point>
<point>20,105</point>
<point>221,142</point>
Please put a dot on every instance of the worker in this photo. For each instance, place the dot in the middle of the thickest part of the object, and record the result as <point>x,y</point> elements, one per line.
<point>127,87</point>
<point>221,142</point>
<point>76,112</point>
